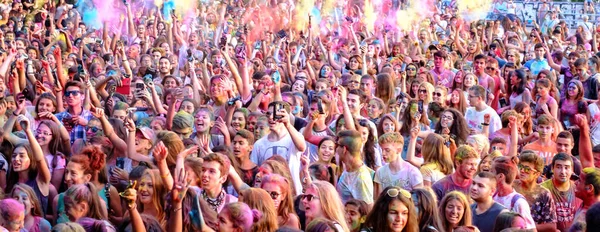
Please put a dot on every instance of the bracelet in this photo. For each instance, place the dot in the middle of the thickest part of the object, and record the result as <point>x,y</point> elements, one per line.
<point>175,210</point>
<point>485,124</point>
<point>165,175</point>
<point>15,114</point>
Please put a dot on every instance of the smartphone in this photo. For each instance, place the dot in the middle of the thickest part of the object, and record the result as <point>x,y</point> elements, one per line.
<point>281,34</point>
<point>502,102</point>
<point>121,163</point>
<point>131,111</point>
<point>125,88</point>
<point>420,105</point>
<point>320,106</point>
<point>139,86</point>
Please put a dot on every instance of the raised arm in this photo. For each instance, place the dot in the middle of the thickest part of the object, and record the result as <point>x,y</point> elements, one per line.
<point>131,153</point>
<point>585,146</point>
<point>109,131</point>
<point>43,173</point>
<point>160,155</point>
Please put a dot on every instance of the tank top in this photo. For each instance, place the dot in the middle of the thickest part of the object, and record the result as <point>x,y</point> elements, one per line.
<point>485,221</point>
<point>43,199</point>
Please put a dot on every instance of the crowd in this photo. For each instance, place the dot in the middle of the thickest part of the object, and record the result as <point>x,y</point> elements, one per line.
<point>254,116</point>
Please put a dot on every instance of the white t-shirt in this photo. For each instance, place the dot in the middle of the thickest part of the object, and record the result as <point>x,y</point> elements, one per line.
<point>406,178</point>
<point>595,124</point>
<point>357,185</point>
<point>474,119</point>
<point>312,150</point>
<point>264,149</point>
<point>520,206</point>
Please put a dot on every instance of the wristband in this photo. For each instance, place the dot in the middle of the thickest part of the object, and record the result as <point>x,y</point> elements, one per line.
<point>15,114</point>
<point>485,124</point>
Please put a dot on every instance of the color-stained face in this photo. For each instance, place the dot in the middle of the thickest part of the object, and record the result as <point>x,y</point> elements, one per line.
<point>388,125</point>
<point>454,211</point>
<point>353,217</point>
<point>275,192</point>
<point>312,203</point>
<point>20,160</point>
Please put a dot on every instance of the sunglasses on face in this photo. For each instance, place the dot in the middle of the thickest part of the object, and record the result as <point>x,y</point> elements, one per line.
<point>94,129</point>
<point>308,197</point>
<point>422,91</point>
<point>411,69</point>
<point>73,92</point>
<point>274,195</point>
<point>437,94</point>
<point>525,169</point>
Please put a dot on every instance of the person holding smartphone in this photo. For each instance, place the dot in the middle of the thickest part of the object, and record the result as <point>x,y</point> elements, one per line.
<point>75,117</point>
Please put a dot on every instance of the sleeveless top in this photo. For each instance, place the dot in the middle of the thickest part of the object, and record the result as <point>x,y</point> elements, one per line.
<point>36,224</point>
<point>485,221</point>
<point>60,206</point>
<point>43,199</point>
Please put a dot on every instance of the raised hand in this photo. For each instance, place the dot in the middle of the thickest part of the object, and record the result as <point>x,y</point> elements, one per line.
<point>487,118</point>
<point>130,194</point>
<point>160,151</point>
<point>180,185</point>
<point>129,124</point>
<point>23,122</point>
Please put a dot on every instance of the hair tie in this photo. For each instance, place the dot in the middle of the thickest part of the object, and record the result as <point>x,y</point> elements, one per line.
<point>256,215</point>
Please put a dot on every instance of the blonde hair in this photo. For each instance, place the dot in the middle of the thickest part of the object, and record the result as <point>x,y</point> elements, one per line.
<point>435,151</point>
<point>331,205</point>
<point>430,89</point>
<point>286,206</point>
<point>260,200</point>
<point>483,143</point>
<point>36,207</point>
<point>159,192</point>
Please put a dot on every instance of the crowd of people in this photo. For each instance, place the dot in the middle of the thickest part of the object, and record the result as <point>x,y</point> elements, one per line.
<point>249,116</point>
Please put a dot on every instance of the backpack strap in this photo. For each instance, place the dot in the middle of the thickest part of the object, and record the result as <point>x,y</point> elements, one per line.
<point>514,200</point>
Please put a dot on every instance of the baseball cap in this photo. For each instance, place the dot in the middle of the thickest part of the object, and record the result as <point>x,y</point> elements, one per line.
<point>146,132</point>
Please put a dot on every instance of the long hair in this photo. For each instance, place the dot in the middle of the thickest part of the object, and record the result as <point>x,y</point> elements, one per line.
<point>505,220</point>
<point>426,208</point>
<point>260,200</point>
<point>519,88</point>
<point>159,192</point>
<point>459,129</point>
<point>407,118</point>
<point>466,218</point>
<point>57,146</point>
<point>369,147</point>
<point>209,215</point>
<point>281,169</point>
<point>13,177</point>
<point>435,151</point>
<point>93,225</point>
<point>36,206</point>
<point>429,87</point>
<point>241,215</point>
<point>528,123</point>
<point>286,206</point>
<point>331,205</point>
<point>580,90</point>
<point>48,96</point>
<point>391,118</point>
<point>85,193</point>
<point>173,144</point>
<point>377,218</point>
<point>91,159</point>
<point>385,89</point>
<point>462,101</point>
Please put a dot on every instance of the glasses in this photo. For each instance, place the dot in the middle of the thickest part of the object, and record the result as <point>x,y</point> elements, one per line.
<point>73,92</point>
<point>490,68</point>
<point>422,91</point>
<point>526,169</point>
<point>393,192</point>
<point>437,94</point>
<point>274,195</point>
<point>471,96</point>
<point>308,197</point>
<point>411,69</point>
<point>44,133</point>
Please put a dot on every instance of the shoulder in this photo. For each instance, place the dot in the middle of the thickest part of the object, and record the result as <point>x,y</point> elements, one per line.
<point>45,225</point>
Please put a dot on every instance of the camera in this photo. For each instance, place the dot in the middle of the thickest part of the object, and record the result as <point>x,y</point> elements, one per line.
<point>233,100</point>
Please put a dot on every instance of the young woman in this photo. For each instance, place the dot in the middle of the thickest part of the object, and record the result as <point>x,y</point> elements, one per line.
<point>454,211</point>
<point>526,126</point>
<point>453,123</point>
<point>412,118</point>
<point>81,200</point>
<point>375,109</point>
<point>426,207</point>
<point>517,90</point>
<point>485,165</point>
<point>470,81</point>
<point>437,159</point>
<point>151,193</point>
<point>260,200</point>
<point>28,166</point>
<point>34,220</point>
<point>509,220</point>
<point>322,200</point>
<point>414,88</point>
<point>545,104</point>
<point>279,190</point>
<point>426,93</point>
<point>387,124</point>
<point>440,95</point>
<point>86,168</point>
<point>237,217</point>
<point>572,104</point>
<point>393,211</point>
<point>458,101</point>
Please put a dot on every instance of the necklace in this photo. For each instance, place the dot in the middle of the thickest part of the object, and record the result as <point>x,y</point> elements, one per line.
<point>214,203</point>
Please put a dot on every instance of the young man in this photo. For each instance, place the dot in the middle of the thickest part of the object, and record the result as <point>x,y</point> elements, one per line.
<point>565,144</point>
<point>214,173</point>
<point>563,190</point>
<point>588,190</point>
<point>485,209</point>
<point>543,208</point>
<point>283,140</point>
<point>75,118</point>
<point>591,84</point>
<point>356,181</point>
<point>485,80</point>
<point>465,162</point>
<point>441,75</point>
<point>505,170</point>
<point>538,63</point>
<point>367,83</point>
<point>544,146</point>
<point>396,172</point>
<point>476,113</point>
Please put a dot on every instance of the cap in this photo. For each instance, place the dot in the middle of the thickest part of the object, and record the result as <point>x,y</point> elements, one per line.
<point>146,133</point>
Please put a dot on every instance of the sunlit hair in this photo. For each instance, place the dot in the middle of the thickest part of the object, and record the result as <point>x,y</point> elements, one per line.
<point>172,142</point>
<point>393,137</point>
<point>48,96</point>
<point>85,193</point>
<point>385,89</point>
<point>435,151</point>
<point>94,225</point>
<point>68,227</point>
<point>460,197</point>
<point>506,116</point>
<point>462,101</point>
<point>378,219</point>
<point>388,117</point>
<point>241,215</point>
<point>331,205</point>
<point>351,140</point>
<point>91,160</point>
<point>286,206</point>
<point>158,194</point>
<point>260,200</point>
<point>528,124</point>
<point>36,206</point>
<point>482,142</point>
<point>580,90</point>
<point>465,152</point>
<point>492,155</point>
<point>429,87</point>
<point>281,169</point>
<point>13,177</point>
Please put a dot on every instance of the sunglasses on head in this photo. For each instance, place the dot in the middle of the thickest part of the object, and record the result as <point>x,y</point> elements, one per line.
<point>394,191</point>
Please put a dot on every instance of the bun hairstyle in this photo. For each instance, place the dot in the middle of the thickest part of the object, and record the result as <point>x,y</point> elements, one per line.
<point>241,215</point>
<point>91,224</point>
<point>92,160</point>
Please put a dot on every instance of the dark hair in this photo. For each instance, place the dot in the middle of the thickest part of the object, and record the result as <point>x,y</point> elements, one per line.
<point>377,217</point>
<point>592,217</point>
<point>426,207</point>
<point>505,220</point>
<point>563,157</point>
<point>459,128</point>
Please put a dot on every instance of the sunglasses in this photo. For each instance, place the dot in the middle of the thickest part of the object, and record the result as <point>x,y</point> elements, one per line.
<point>422,91</point>
<point>525,169</point>
<point>308,197</point>
<point>274,195</point>
<point>74,93</point>
<point>437,94</point>
<point>411,69</point>
<point>393,192</point>
<point>490,68</point>
<point>94,129</point>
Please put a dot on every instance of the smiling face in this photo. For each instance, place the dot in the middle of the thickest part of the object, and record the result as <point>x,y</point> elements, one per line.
<point>326,151</point>
<point>43,135</point>
<point>373,109</point>
<point>146,189</point>
<point>397,216</point>
<point>74,174</point>
<point>454,211</point>
<point>21,196</point>
<point>447,119</point>
<point>467,168</point>
<point>238,121</point>
<point>203,121</point>
<point>388,125</point>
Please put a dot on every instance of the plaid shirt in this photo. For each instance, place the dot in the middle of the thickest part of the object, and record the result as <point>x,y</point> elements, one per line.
<point>78,131</point>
